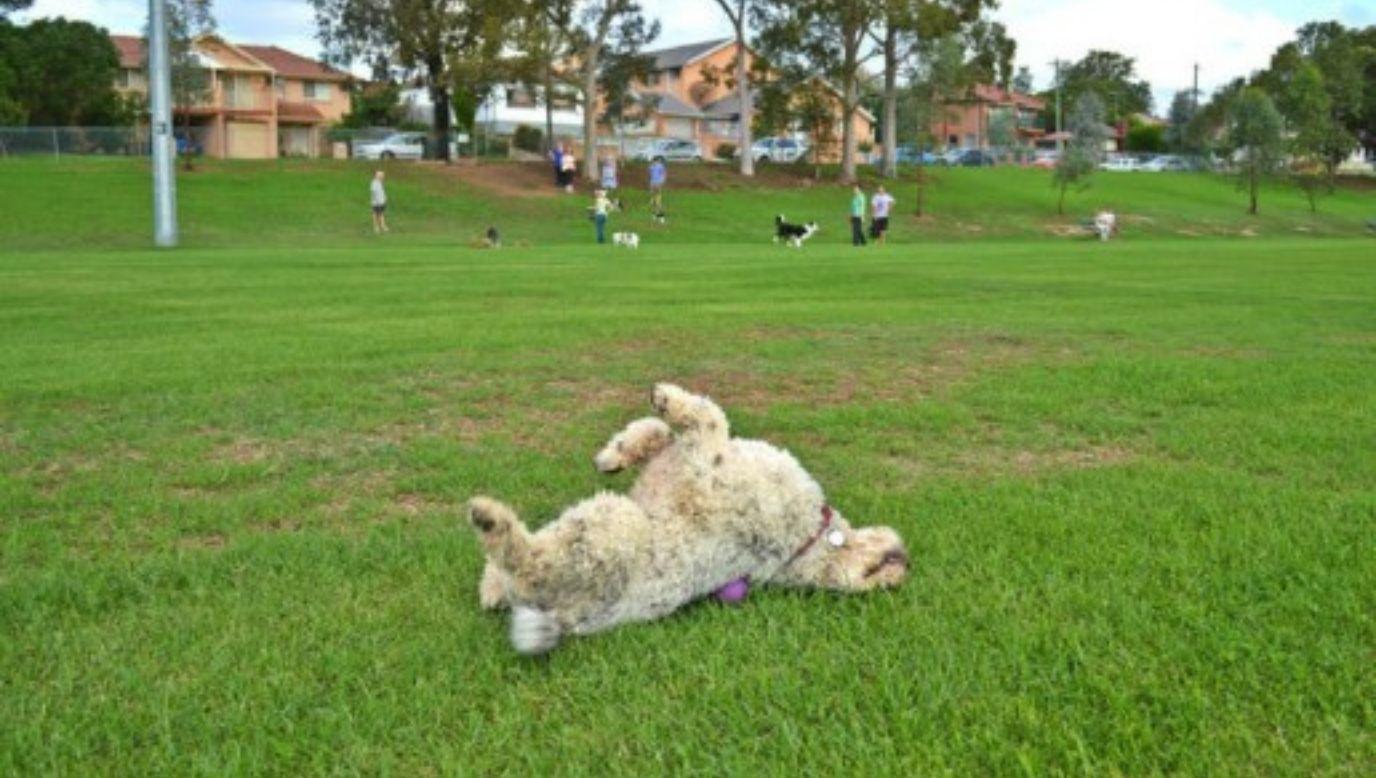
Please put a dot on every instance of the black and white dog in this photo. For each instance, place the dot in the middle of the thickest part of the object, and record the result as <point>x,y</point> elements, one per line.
<point>792,234</point>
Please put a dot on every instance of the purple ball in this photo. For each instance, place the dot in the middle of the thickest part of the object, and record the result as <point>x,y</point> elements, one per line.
<point>734,592</point>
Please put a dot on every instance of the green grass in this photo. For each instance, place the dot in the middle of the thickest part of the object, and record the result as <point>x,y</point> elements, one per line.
<point>1138,481</point>
<point>84,203</point>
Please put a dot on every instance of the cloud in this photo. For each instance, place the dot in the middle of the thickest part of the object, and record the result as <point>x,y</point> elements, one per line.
<point>1166,37</point>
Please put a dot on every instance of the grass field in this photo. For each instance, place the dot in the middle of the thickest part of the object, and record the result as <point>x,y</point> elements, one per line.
<point>1138,481</point>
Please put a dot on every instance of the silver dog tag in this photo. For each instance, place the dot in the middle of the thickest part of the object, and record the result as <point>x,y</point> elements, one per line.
<point>836,538</point>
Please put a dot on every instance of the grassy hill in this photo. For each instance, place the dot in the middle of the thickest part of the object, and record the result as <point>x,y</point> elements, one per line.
<point>87,203</point>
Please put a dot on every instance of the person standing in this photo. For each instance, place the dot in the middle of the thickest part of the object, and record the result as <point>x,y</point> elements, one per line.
<point>569,167</point>
<point>880,207</point>
<point>609,181</point>
<point>658,176</point>
<point>556,156</point>
<point>857,216</point>
<point>600,206</point>
<point>379,200</point>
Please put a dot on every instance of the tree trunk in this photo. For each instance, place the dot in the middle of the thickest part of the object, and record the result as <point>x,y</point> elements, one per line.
<point>747,104</point>
<point>848,131</point>
<point>891,103</point>
<point>549,105</point>
<point>921,188</point>
<point>590,112</point>
<point>439,99</point>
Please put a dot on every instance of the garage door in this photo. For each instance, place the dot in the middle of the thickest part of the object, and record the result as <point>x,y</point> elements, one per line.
<point>247,140</point>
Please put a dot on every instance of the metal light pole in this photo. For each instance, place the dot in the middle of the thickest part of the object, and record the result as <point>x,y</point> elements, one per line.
<point>163,144</point>
<point>1060,139</point>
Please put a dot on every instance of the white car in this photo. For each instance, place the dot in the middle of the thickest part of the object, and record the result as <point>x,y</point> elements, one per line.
<point>1163,163</point>
<point>668,150</point>
<point>1119,165</point>
<point>399,145</point>
<point>778,150</point>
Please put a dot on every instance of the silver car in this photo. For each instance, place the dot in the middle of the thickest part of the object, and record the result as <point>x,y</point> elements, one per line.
<point>778,150</point>
<point>668,150</point>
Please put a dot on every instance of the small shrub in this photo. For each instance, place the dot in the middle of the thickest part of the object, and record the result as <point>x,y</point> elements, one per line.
<point>865,147</point>
<point>726,150</point>
<point>528,138</point>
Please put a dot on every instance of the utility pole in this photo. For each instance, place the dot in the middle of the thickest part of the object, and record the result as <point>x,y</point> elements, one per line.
<point>160,129</point>
<point>1060,140</point>
<point>1194,92</point>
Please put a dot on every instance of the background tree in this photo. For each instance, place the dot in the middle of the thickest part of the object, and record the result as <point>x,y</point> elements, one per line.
<point>1314,133</point>
<point>609,33</point>
<point>1254,138</point>
<point>902,25</point>
<point>1022,80</point>
<point>1179,120</point>
<point>938,75</point>
<point>1085,150</point>
<point>1145,136</point>
<point>420,36</point>
<point>991,53</point>
<point>541,35</point>
<point>374,105</point>
<point>826,38</point>
<point>1109,75</point>
<point>64,73</point>
<point>739,13</point>
<point>12,112</point>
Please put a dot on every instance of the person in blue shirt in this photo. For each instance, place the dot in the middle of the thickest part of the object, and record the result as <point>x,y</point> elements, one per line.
<point>658,177</point>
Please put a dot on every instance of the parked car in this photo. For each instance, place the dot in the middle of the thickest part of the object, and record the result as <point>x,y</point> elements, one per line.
<point>400,145</point>
<point>950,157</point>
<point>668,150</point>
<point>1164,163</point>
<point>778,150</point>
<point>1119,165</point>
<point>974,158</point>
<point>188,145</point>
<point>908,155</point>
<point>1046,159</point>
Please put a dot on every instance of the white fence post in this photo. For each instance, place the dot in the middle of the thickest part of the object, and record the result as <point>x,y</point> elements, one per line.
<point>57,149</point>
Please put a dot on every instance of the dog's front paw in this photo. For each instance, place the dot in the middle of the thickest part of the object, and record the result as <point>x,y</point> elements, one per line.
<point>488,516</point>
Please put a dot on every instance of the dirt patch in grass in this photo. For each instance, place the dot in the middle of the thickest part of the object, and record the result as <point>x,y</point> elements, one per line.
<point>199,542</point>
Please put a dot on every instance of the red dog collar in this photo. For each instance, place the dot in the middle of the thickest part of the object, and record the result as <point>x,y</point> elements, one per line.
<point>827,515</point>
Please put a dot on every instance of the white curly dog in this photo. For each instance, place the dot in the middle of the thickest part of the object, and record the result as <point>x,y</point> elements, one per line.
<point>707,510</point>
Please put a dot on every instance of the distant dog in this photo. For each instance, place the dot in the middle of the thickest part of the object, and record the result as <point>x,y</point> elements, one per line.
<point>494,238</point>
<point>628,239</point>
<point>659,216</point>
<point>793,234</point>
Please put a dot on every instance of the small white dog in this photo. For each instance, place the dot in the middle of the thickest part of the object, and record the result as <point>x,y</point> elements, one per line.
<point>709,513</point>
<point>628,239</point>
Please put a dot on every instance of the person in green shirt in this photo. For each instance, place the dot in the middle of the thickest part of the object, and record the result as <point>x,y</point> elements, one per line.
<point>857,217</point>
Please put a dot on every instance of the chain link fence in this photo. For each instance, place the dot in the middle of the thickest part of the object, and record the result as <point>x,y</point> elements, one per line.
<point>62,141</point>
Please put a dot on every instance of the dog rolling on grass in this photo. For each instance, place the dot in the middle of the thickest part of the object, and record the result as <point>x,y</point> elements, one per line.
<point>628,239</point>
<point>708,510</point>
<point>793,234</point>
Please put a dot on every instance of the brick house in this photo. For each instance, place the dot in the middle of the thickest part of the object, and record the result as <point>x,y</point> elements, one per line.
<point>692,100</point>
<point>263,101</point>
<point>964,123</point>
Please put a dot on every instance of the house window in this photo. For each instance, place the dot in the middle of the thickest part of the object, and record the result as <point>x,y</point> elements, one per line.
<point>316,90</point>
<point>280,87</point>
<point>518,97</point>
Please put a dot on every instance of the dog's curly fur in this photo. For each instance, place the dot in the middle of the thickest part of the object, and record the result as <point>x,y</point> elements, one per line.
<point>707,509</point>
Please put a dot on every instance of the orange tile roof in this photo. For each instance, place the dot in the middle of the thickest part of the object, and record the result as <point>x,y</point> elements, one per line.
<point>130,50</point>
<point>293,65</point>
<point>298,112</point>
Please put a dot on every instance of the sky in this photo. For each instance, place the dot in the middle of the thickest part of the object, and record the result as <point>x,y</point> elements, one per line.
<point>1226,38</point>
